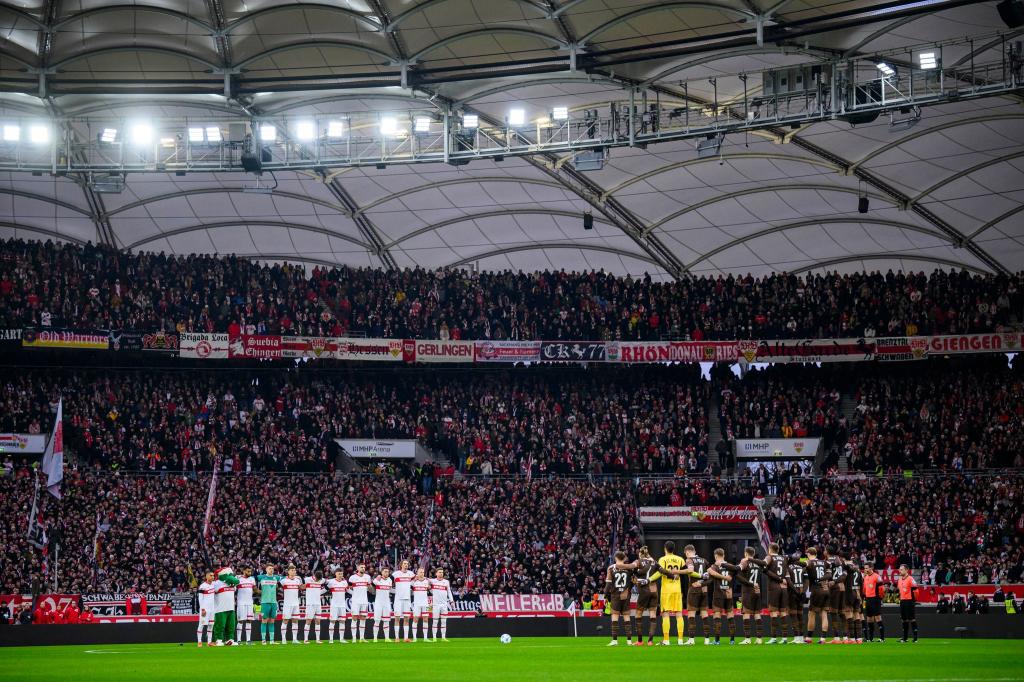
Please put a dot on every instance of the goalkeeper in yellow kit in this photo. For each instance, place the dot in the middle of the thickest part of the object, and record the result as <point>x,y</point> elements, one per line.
<point>672,566</point>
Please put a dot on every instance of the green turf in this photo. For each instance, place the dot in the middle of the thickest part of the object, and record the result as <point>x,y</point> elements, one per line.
<point>524,659</point>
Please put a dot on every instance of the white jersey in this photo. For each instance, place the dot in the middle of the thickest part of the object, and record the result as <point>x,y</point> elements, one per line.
<point>290,591</point>
<point>244,590</point>
<point>337,589</point>
<point>224,596</point>
<point>314,589</point>
<point>358,584</point>
<point>440,591</point>
<point>207,591</point>
<point>383,586</point>
<point>420,592</point>
<point>403,585</point>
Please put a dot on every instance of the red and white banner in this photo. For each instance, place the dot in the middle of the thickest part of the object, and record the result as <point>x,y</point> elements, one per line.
<point>312,347</point>
<point>204,346</point>
<point>380,350</point>
<point>506,351</point>
<point>672,351</point>
<point>49,602</point>
<point>815,350</point>
<point>700,514</point>
<point>526,604</point>
<point>14,602</point>
<point>53,456</point>
<point>437,351</point>
<point>256,346</point>
<point>974,343</point>
<point>22,443</point>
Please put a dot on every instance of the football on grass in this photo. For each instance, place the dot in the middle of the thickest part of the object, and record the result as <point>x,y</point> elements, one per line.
<point>506,639</point>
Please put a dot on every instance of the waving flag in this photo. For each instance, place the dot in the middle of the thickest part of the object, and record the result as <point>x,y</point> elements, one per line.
<point>53,456</point>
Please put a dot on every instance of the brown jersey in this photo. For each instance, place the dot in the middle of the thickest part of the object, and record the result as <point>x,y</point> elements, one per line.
<point>818,572</point>
<point>619,581</point>
<point>723,584</point>
<point>750,576</point>
<point>838,572</point>
<point>700,567</point>
<point>646,570</point>
<point>774,568</point>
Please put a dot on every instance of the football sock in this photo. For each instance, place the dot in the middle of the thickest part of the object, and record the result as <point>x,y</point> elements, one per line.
<point>757,626</point>
<point>666,627</point>
<point>871,630</point>
<point>705,626</point>
<point>851,627</point>
<point>615,630</point>
<point>199,634</point>
<point>693,624</point>
<point>746,627</point>
<point>732,627</point>
<point>652,628</point>
<point>718,627</point>
<point>680,627</point>
<point>881,630</point>
<point>906,629</point>
<point>444,628</point>
<point>913,626</point>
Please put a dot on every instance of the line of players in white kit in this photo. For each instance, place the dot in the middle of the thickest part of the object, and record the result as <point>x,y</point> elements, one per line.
<point>418,602</point>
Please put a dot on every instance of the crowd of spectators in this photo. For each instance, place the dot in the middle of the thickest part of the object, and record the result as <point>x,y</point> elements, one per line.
<point>125,532</point>
<point>63,285</point>
<point>956,415</point>
<point>487,421</point>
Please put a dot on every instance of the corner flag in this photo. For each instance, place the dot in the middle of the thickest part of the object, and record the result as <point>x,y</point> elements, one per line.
<point>53,457</point>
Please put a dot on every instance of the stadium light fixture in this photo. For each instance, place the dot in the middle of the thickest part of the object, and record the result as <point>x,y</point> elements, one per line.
<point>195,135</point>
<point>305,131</point>
<point>168,142</point>
<point>336,128</point>
<point>517,117</point>
<point>421,124</point>
<point>388,126</point>
<point>108,135</point>
<point>470,121</point>
<point>213,134</point>
<point>560,113</point>
<point>141,134</point>
<point>927,60</point>
<point>12,133</point>
<point>39,134</point>
<point>268,132</point>
<point>886,70</point>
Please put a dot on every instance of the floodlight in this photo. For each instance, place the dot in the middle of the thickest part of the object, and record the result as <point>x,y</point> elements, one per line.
<point>388,125</point>
<point>12,133</point>
<point>142,134</point>
<point>169,142</point>
<point>336,128</point>
<point>927,60</point>
<point>886,70</point>
<point>268,132</point>
<point>421,124</point>
<point>560,113</point>
<point>108,136</point>
<point>470,121</point>
<point>517,117</point>
<point>195,135</point>
<point>305,131</point>
<point>39,134</point>
<point>710,146</point>
<point>213,134</point>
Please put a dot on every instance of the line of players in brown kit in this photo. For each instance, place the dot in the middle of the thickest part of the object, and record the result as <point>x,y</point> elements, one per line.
<point>843,595</point>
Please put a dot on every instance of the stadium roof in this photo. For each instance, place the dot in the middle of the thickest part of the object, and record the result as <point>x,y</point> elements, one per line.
<point>947,192</point>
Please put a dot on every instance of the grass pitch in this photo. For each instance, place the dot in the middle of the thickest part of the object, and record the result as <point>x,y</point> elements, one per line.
<point>538,658</point>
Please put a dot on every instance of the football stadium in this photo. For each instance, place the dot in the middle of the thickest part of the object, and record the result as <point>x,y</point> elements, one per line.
<point>512,339</point>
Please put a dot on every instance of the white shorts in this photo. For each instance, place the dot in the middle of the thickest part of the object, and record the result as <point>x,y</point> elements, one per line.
<point>420,610</point>
<point>313,611</point>
<point>244,612</point>
<point>290,611</point>
<point>338,612</point>
<point>207,619</point>
<point>359,608</point>
<point>381,609</point>
<point>403,607</point>
<point>440,608</point>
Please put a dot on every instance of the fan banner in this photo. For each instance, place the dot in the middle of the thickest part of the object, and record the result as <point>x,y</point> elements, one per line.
<point>116,603</point>
<point>380,350</point>
<point>701,514</point>
<point>65,338</point>
<point>521,603</point>
<point>437,351</point>
<point>673,351</point>
<point>204,346</point>
<point>815,350</point>
<point>776,448</point>
<point>258,346</point>
<point>573,351</point>
<point>506,351</point>
<point>312,347</point>
<point>22,443</point>
<point>975,343</point>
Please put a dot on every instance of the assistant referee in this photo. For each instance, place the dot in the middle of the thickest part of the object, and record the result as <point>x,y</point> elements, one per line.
<point>907,585</point>
<point>873,591</point>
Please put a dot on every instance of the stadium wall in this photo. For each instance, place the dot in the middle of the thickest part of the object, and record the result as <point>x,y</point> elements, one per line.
<point>987,626</point>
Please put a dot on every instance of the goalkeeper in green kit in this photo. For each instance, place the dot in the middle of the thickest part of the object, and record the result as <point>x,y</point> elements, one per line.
<point>224,606</point>
<point>267,584</point>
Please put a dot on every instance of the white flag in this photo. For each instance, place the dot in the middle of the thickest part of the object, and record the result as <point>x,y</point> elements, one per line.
<point>53,456</point>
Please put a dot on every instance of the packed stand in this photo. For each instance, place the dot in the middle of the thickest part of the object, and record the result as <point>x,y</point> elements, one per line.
<point>955,529</point>
<point>954,415</point>
<point>46,284</point>
<point>487,421</point>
